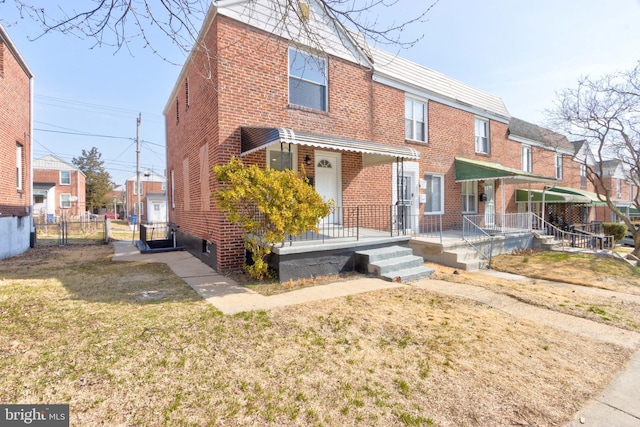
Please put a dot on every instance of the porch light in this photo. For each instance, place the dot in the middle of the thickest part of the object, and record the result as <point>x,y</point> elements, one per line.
<point>307,160</point>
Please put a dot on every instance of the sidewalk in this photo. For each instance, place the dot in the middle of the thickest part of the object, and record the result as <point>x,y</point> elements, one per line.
<point>619,404</point>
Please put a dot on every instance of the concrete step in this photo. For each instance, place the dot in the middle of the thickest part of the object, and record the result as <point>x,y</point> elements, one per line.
<point>389,265</point>
<point>373,255</point>
<point>409,274</point>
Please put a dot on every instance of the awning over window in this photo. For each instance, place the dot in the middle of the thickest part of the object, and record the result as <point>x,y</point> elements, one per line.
<point>259,138</point>
<point>549,197</point>
<point>476,170</point>
<point>593,197</point>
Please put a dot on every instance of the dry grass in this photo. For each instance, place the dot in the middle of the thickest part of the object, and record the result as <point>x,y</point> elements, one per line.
<point>75,328</point>
<point>587,271</point>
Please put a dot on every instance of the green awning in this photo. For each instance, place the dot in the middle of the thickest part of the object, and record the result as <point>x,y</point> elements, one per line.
<point>593,197</point>
<point>476,170</point>
<point>549,197</point>
<point>633,211</point>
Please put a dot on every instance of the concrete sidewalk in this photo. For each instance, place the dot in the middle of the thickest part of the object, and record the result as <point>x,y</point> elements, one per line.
<point>618,406</point>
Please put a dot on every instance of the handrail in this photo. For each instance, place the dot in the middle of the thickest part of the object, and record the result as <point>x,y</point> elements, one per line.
<point>481,232</point>
<point>582,239</point>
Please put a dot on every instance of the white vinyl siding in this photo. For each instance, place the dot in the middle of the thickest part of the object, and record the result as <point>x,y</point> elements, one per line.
<point>483,144</point>
<point>415,119</point>
<point>434,192</point>
<point>307,80</point>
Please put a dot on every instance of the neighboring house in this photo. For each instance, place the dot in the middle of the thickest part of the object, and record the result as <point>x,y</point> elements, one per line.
<point>621,189</point>
<point>117,198</point>
<point>153,197</point>
<point>16,124</point>
<point>399,148</point>
<point>58,189</point>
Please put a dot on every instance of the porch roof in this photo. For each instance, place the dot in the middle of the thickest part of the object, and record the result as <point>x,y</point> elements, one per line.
<point>549,197</point>
<point>476,170</point>
<point>591,196</point>
<point>259,138</point>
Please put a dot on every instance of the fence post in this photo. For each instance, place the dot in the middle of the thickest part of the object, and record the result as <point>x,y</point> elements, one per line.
<point>107,229</point>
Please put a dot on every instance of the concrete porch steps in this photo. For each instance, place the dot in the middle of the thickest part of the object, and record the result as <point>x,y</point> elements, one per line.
<point>392,263</point>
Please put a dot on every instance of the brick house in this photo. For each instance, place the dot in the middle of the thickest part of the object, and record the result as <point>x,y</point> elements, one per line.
<point>58,189</point>
<point>153,197</point>
<point>16,123</point>
<point>381,136</point>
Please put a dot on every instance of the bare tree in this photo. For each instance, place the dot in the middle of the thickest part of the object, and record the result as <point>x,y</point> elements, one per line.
<point>605,112</point>
<point>120,23</point>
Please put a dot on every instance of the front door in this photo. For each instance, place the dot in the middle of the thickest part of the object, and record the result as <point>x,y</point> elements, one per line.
<point>327,179</point>
<point>490,203</point>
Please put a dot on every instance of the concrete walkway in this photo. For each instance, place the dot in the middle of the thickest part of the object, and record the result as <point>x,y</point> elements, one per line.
<point>619,405</point>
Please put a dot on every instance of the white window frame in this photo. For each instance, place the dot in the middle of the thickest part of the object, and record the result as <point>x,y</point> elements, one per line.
<point>428,177</point>
<point>135,209</point>
<point>412,121</point>
<point>469,197</point>
<point>275,152</point>
<point>558,166</point>
<point>68,173</point>
<point>135,187</point>
<point>482,139</point>
<point>65,201</point>
<point>583,176</point>
<point>618,188</point>
<point>527,158</point>
<point>173,190</point>
<point>314,62</point>
<point>19,166</point>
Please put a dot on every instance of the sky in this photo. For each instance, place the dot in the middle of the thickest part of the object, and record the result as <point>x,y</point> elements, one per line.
<point>521,51</point>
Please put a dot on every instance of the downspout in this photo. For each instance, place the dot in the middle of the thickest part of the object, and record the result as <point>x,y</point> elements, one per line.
<point>32,232</point>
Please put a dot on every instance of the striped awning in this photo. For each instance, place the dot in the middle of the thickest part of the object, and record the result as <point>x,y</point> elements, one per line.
<point>591,196</point>
<point>260,138</point>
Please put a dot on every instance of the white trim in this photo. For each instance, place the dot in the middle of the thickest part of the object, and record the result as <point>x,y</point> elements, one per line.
<point>338,157</point>
<point>434,96</point>
<point>425,118</point>
<point>442,191</point>
<point>538,144</point>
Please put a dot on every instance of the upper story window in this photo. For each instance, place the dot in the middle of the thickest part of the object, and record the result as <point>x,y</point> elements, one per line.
<point>65,177</point>
<point>583,176</point>
<point>307,80</point>
<point>559,166</point>
<point>434,192</point>
<point>19,166</point>
<point>527,159</point>
<point>137,189</point>
<point>415,119</point>
<point>483,144</point>
<point>618,188</point>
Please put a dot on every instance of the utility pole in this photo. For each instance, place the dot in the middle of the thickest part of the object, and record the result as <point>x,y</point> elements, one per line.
<point>139,216</point>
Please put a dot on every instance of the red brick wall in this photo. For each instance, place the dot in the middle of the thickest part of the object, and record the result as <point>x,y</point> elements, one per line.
<point>15,116</point>
<point>247,87</point>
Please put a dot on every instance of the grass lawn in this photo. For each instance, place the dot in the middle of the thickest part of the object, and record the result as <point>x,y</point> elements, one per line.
<point>132,344</point>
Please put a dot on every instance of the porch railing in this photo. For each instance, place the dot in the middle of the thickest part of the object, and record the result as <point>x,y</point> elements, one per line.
<point>472,233</point>
<point>576,238</point>
<point>508,223</point>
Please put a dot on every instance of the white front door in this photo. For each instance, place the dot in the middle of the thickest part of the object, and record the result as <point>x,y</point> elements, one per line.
<point>490,203</point>
<point>327,180</point>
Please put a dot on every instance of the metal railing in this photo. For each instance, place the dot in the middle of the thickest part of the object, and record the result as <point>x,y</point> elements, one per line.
<point>508,223</point>
<point>64,232</point>
<point>472,234</point>
<point>575,238</point>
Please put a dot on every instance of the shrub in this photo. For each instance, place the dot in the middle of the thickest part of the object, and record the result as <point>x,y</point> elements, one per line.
<point>616,229</point>
<point>269,205</point>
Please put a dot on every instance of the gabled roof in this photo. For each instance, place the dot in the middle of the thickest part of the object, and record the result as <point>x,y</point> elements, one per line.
<point>525,132</point>
<point>51,162</point>
<point>414,78</point>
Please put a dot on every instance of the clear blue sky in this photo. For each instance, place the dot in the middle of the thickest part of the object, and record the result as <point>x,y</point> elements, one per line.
<point>521,51</point>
